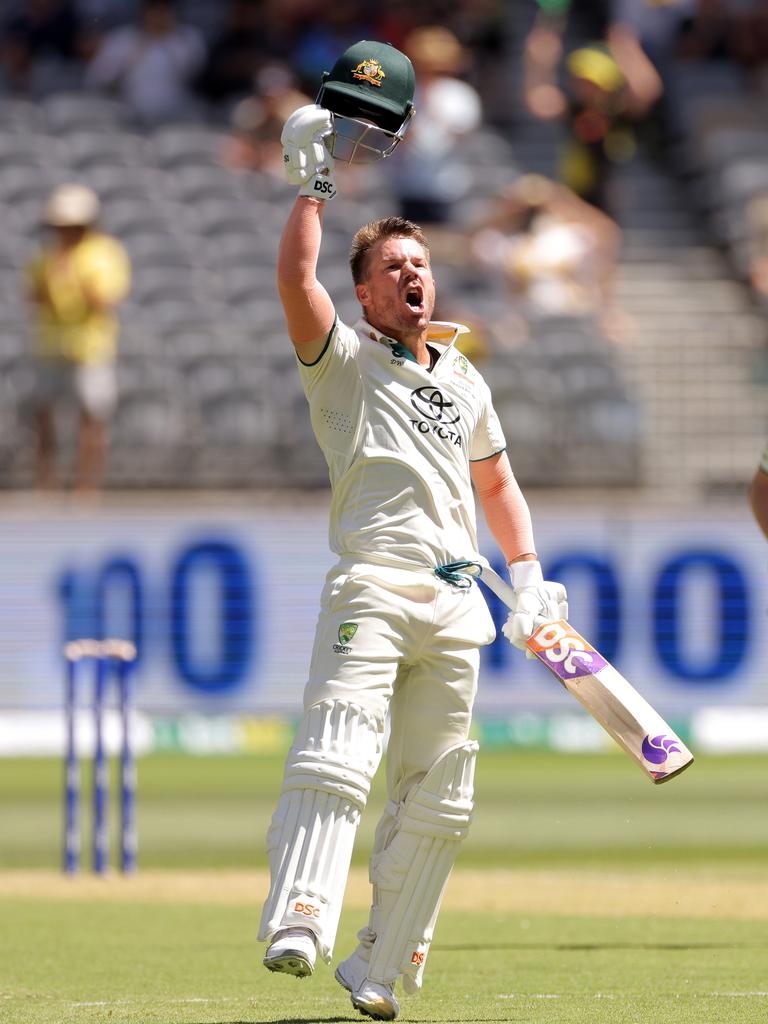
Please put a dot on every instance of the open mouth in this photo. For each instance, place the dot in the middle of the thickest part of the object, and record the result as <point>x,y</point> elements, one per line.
<point>414,298</point>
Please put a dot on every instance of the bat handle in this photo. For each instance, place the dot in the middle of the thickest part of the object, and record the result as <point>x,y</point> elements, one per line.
<point>494,582</point>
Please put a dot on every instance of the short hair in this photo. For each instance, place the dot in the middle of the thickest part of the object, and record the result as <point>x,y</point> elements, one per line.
<point>377,231</point>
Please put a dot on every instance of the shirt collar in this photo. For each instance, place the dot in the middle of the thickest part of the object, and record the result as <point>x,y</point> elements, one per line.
<point>440,332</point>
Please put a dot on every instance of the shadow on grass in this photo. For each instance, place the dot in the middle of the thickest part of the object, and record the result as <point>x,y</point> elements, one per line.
<point>592,947</point>
<point>288,1020</point>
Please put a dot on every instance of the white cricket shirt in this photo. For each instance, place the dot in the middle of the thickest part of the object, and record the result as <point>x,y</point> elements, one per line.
<point>398,440</point>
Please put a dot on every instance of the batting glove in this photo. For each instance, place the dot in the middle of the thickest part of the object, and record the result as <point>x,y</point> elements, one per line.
<point>536,601</point>
<point>306,159</point>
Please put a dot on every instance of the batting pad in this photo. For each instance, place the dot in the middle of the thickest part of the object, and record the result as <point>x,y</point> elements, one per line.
<point>410,874</point>
<point>328,775</point>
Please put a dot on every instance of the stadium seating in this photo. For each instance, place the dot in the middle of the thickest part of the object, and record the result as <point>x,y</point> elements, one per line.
<point>203,329</point>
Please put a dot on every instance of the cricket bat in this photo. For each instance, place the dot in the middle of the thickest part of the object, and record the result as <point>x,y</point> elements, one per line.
<point>611,700</point>
<point>603,691</point>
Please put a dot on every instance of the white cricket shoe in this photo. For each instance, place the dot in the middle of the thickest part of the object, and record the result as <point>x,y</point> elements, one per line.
<point>371,998</point>
<point>292,951</point>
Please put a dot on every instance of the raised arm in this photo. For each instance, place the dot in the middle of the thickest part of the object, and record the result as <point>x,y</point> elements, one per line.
<point>309,310</point>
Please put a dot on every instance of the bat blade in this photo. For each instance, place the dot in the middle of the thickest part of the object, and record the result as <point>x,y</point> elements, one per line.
<point>611,700</point>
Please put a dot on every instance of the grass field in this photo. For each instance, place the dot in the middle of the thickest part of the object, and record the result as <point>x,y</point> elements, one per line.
<point>583,894</point>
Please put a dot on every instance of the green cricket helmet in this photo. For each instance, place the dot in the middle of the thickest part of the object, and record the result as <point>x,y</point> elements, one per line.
<point>369,92</point>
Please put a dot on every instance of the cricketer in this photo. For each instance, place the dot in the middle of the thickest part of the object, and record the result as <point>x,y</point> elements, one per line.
<point>407,427</point>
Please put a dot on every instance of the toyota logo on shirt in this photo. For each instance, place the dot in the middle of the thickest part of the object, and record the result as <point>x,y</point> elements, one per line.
<point>431,403</point>
<point>436,415</point>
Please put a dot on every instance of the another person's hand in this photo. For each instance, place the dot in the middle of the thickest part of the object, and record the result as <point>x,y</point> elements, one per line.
<point>306,159</point>
<point>536,601</point>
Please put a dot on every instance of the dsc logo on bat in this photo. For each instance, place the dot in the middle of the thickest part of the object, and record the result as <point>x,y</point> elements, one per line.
<point>565,651</point>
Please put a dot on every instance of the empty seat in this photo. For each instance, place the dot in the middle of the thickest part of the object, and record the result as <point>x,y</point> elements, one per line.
<point>242,247</point>
<point>184,145</point>
<point>200,182</point>
<point>155,283</point>
<point>69,111</point>
<point>85,149</point>
<point>740,180</point>
<point>217,216</point>
<point>151,439</point>
<point>21,115</point>
<point>132,215</point>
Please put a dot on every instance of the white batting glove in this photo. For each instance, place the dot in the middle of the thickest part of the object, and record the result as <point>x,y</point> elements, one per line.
<point>536,601</point>
<point>306,159</point>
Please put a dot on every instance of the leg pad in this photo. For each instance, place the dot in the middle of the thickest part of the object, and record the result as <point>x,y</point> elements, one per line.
<point>410,873</point>
<point>328,777</point>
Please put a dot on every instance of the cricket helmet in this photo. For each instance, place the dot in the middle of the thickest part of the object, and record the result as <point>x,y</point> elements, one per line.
<point>369,92</point>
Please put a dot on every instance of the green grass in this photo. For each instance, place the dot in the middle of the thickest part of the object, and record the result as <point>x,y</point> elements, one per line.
<point>69,954</point>
<point>533,809</point>
<point>85,962</point>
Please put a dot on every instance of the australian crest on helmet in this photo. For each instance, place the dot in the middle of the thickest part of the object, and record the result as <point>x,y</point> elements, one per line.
<point>371,71</point>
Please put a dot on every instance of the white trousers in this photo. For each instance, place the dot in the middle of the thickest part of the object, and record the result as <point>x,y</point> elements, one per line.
<point>389,642</point>
<point>415,654</point>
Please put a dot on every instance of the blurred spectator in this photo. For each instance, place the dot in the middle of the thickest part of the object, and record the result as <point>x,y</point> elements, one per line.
<point>75,282</point>
<point>236,54</point>
<point>38,31</point>
<point>756,218</point>
<point>151,65</point>
<point>257,121</point>
<point>734,29</point>
<point>611,85</point>
<point>322,33</point>
<point>557,253</point>
<point>431,176</point>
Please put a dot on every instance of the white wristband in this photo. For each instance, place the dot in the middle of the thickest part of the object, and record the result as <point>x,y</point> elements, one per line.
<point>525,574</point>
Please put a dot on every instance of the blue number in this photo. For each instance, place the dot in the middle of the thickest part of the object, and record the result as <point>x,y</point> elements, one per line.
<point>121,571</point>
<point>607,600</point>
<point>77,598</point>
<point>236,617</point>
<point>732,629</point>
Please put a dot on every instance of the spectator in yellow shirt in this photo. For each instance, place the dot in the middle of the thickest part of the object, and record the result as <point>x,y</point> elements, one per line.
<point>75,283</point>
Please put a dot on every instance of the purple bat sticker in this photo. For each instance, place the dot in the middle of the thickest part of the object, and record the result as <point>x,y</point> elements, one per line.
<point>658,749</point>
<point>565,652</point>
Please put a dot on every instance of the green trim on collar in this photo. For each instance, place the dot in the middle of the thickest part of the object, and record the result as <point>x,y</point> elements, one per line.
<point>399,350</point>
